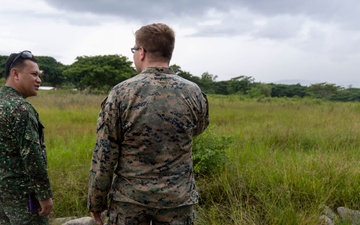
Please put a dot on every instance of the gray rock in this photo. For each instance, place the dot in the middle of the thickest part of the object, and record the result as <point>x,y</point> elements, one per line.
<point>348,215</point>
<point>61,220</point>
<point>328,212</point>
<point>324,220</point>
<point>81,221</point>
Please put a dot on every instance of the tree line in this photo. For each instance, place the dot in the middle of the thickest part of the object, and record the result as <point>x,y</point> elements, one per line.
<point>98,74</point>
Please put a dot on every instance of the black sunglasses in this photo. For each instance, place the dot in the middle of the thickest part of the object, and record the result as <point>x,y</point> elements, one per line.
<point>24,54</point>
<point>134,49</point>
<point>137,48</point>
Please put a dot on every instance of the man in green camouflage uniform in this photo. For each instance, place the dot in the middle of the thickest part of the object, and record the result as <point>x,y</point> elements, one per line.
<point>143,151</point>
<point>23,159</point>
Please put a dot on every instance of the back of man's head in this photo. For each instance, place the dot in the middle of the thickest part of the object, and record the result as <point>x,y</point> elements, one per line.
<point>158,40</point>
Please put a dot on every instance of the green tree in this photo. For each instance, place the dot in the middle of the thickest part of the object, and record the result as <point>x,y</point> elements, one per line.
<point>241,84</point>
<point>221,87</point>
<point>99,73</point>
<point>260,90</point>
<point>207,82</point>
<point>2,65</point>
<point>288,90</point>
<point>52,71</point>
<point>2,81</point>
<point>207,77</point>
<point>323,90</point>
<point>188,76</point>
<point>347,95</point>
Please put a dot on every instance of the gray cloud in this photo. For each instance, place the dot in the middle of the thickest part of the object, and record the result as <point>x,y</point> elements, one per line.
<point>143,10</point>
<point>280,27</point>
<point>335,11</point>
<point>322,10</point>
<point>267,39</point>
<point>277,20</point>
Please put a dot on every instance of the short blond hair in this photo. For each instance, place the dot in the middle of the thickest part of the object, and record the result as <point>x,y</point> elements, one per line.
<point>158,40</point>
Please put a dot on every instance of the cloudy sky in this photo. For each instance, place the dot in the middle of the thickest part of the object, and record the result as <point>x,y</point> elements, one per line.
<point>281,41</point>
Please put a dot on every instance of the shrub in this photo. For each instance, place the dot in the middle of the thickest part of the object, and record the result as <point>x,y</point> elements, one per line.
<point>209,152</point>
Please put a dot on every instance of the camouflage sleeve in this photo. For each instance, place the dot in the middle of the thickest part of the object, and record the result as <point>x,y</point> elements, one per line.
<point>33,154</point>
<point>105,156</point>
<point>203,117</point>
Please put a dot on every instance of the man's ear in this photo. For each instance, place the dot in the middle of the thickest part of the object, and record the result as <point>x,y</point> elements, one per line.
<point>142,53</point>
<point>14,74</point>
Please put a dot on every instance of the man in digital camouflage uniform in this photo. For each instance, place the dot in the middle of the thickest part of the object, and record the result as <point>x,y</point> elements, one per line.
<point>143,150</point>
<point>23,157</point>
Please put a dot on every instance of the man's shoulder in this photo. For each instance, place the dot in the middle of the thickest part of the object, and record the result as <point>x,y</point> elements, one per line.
<point>10,99</point>
<point>11,102</point>
<point>186,83</point>
<point>131,81</point>
<point>154,73</point>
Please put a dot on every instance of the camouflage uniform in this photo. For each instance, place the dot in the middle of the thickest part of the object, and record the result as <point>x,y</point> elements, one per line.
<point>23,159</point>
<point>144,142</point>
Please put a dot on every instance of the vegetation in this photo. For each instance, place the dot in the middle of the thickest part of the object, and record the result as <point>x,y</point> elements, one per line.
<point>262,160</point>
<point>289,158</point>
<point>97,74</point>
<point>273,154</point>
<point>70,121</point>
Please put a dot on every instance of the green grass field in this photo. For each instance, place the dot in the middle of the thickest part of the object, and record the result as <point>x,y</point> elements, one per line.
<point>286,158</point>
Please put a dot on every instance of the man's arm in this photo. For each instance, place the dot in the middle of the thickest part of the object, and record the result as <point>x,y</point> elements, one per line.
<point>203,117</point>
<point>34,155</point>
<point>105,156</point>
<point>97,217</point>
<point>46,207</point>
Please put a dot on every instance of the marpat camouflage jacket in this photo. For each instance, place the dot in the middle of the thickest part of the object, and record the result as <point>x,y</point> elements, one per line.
<point>143,150</point>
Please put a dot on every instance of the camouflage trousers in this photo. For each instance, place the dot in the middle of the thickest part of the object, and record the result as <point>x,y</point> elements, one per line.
<point>14,211</point>
<point>121,213</point>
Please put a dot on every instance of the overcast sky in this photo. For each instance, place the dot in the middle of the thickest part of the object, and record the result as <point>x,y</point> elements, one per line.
<point>281,41</point>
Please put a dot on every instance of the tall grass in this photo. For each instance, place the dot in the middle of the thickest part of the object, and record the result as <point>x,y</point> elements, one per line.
<point>290,158</point>
<point>286,160</point>
<point>70,122</point>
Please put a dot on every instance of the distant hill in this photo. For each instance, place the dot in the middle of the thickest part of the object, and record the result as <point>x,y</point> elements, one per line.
<point>310,82</point>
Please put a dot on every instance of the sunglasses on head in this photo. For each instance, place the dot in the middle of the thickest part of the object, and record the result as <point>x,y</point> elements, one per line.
<point>24,54</point>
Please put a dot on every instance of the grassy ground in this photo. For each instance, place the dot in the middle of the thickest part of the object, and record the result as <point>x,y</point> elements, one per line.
<point>70,122</point>
<point>287,157</point>
<point>290,157</point>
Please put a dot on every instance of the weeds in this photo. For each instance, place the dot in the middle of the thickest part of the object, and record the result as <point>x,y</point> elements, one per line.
<point>277,161</point>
